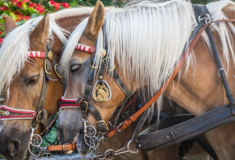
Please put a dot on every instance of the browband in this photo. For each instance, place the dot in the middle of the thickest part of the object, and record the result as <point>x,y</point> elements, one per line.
<point>83,47</point>
<point>36,54</point>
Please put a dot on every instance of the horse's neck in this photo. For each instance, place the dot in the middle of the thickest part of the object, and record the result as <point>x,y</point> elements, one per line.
<point>201,90</point>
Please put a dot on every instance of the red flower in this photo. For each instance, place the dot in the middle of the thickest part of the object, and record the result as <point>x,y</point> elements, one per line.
<point>15,1</point>
<point>19,4</point>
<point>0,32</point>
<point>52,2</point>
<point>32,4</point>
<point>3,8</point>
<point>65,5</point>
<point>1,40</point>
<point>26,17</point>
<point>39,8</point>
<point>57,6</point>
<point>24,1</point>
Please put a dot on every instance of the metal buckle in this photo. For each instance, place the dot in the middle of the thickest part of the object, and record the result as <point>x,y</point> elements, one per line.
<point>119,130</point>
<point>63,147</point>
<point>37,120</point>
<point>57,73</point>
<point>106,66</point>
<point>204,17</point>
<point>102,121</point>
<point>94,67</point>
<point>45,67</point>
<point>84,101</point>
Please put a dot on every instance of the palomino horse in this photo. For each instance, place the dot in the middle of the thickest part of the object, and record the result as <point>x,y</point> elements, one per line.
<point>22,78</point>
<point>145,41</point>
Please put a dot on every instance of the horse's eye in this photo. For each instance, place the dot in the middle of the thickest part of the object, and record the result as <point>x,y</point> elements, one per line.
<point>33,80</point>
<point>74,67</point>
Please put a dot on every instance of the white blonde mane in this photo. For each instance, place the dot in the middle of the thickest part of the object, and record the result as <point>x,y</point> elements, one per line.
<point>16,44</point>
<point>147,39</point>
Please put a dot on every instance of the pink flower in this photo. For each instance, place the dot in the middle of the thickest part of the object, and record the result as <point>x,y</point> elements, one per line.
<point>32,4</point>
<point>39,8</point>
<point>57,6</point>
<point>65,5</point>
<point>52,2</point>
<point>1,40</point>
<point>19,4</point>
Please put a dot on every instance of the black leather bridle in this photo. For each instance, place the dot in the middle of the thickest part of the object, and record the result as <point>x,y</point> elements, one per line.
<point>94,70</point>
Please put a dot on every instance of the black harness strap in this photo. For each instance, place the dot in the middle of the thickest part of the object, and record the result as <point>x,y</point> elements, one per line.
<point>199,124</point>
<point>43,94</point>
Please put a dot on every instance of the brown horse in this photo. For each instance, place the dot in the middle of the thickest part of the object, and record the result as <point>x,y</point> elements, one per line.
<point>145,41</point>
<point>22,78</point>
<point>17,144</point>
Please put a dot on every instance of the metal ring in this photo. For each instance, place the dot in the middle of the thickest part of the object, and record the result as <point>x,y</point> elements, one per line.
<point>221,70</point>
<point>40,138</point>
<point>95,132</point>
<point>107,151</point>
<point>109,70</point>
<point>128,147</point>
<point>94,67</point>
<point>56,72</point>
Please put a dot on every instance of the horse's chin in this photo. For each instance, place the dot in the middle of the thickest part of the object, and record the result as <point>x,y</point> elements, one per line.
<point>82,147</point>
<point>23,156</point>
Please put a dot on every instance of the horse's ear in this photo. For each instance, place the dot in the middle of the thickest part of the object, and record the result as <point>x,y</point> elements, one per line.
<point>39,35</point>
<point>9,25</point>
<point>95,21</point>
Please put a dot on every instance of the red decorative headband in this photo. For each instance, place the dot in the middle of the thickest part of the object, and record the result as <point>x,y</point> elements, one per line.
<point>85,48</point>
<point>36,54</point>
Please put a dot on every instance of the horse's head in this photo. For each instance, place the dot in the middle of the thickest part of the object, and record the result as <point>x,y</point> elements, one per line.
<point>95,90</point>
<point>25,75</point>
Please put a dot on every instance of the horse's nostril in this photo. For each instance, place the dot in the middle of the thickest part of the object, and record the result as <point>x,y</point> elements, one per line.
<point>14,147</point>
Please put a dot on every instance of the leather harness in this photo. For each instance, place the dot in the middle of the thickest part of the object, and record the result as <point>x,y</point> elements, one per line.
<point>150,138</point>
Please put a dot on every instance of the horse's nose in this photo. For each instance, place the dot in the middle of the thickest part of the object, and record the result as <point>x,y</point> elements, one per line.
<point>61,134</point>
<point>13,148</point>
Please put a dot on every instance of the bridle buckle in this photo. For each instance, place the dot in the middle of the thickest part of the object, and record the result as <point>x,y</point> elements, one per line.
<point>84,101</point>
<point>105,123</point>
